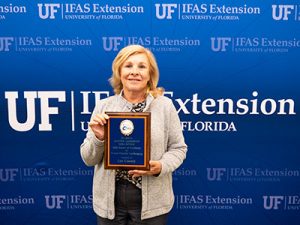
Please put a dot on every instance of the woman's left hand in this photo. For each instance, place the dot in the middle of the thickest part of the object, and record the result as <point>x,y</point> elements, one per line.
<point>155,169</point>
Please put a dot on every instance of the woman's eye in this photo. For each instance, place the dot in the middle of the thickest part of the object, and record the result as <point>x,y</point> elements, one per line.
<point>128,66</point>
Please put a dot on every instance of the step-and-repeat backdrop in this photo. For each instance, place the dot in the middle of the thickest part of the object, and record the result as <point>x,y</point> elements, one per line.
<point>231,67</point>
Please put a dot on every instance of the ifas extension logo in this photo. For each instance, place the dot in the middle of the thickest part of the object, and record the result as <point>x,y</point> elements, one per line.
<point>42,110</point>
<point>86,11</point>
<point>70,202</point>
<point>211,12</point>
<point>211,202</point>
<point>36,44</point>
<point>155,43</point>
<point>42,173</point>
<point>254,45</point>
<point>239,174</point>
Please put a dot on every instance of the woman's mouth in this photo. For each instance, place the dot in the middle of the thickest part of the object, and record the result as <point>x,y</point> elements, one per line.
<point>134,79</point>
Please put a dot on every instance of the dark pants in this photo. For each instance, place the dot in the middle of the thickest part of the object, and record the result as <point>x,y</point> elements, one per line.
<point>128,204</point>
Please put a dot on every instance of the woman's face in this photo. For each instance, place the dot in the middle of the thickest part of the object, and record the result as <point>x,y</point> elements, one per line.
<point>135,73</point>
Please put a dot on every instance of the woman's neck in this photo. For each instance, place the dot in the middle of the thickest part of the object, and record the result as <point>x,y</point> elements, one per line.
<point>134,97</point>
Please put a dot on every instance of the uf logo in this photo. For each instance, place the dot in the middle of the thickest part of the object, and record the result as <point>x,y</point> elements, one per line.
<point>55,202</point>
<point>50,10</point>
<point>220,44</point>
<point>215,173</point>
<point>167,11</point>
<point>5,42</point>
<point>281,12</point>
<point>8,174</point>
<point>272,202</point>
<point>31,96</point>
<point>111,43</point>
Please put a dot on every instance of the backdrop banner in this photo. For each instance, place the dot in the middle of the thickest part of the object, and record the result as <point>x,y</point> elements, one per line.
<point>230,67</point>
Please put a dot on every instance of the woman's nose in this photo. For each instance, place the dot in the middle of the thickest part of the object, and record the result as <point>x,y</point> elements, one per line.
<point>134,71</point>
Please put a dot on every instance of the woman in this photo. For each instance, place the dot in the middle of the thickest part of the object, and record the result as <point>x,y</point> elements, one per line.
<point>135,196</point>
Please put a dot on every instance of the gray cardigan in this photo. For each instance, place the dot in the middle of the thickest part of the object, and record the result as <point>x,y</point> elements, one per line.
<point>167,146</point>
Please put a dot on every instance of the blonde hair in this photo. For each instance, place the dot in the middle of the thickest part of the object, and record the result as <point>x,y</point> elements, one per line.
<point>122,56</point>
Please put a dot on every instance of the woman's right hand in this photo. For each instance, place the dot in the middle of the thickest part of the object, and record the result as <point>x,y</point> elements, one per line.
<point>97,125</point>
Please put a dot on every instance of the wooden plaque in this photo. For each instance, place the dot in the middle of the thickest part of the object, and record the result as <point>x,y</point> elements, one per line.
<point>127,140</point>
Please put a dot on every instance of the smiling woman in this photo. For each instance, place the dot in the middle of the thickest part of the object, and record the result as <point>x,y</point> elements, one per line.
<point>144,59</point>
<point>120,195</point>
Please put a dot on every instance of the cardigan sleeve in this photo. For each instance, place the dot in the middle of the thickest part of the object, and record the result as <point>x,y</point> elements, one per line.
<point>176,147</point>
<point>92,149</point>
